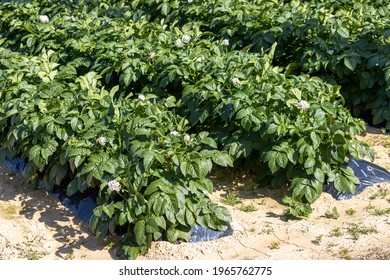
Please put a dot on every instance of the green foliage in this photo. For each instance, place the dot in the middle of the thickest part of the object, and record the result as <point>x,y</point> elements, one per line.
<point>230,199</point>
<point>334,214</point>
<point>296,209</point>
<point>140,99</point>
<point>248,208</point>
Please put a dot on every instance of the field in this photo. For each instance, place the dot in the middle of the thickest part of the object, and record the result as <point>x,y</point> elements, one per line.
<point>176,114</point>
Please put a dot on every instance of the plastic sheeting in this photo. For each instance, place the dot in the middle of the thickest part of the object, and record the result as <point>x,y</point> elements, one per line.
<point>199,234</point>
<point>368,174</point>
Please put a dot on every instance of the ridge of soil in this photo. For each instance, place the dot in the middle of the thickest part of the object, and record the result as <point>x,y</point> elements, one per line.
<point>34,224</point>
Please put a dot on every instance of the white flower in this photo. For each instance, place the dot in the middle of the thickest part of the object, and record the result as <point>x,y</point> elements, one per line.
<point>73,18</point>
<point>178,43</point>
<point>102,140</point>
<point>187,137</point>
<point>152,54</point>
<point>236,81</point>
<point>174,133</point>
<point>225,42</point>
<point>330,52</point>
<point>190,1</point>
<point>186,38</point>
<point>114,185</point>
<point>199,59</point>
<point>43,19</point>
<point>303,105</point>
<point>141,97</point>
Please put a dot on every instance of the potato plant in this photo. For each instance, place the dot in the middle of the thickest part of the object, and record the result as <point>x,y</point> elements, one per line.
<point>138,100</point>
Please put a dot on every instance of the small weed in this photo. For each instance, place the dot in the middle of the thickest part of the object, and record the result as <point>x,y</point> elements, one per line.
<point>379,212</point>
<point>70,256</point>
<point>369,207</point>
<point>231,199</point>
<point>336,232</point>
<point>250,185</point>
<point>329,246</point>
<point>357,230</point>
<point>344,253</point>
<point>387,141</point>
<point>109,246</point>
<point>263,201</point>
<point>274,246</point>
<point>317,240</point>
<point>350,212</point>
<point>381,194</point>
<point>267,230</point>
<point>334,214</point>
<point>369,142</point>
<point>248,208</point>
<point>68,240</point>
<point>26,250</point>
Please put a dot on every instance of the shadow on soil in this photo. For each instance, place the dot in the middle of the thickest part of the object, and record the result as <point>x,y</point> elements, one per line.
<point>13,187</point>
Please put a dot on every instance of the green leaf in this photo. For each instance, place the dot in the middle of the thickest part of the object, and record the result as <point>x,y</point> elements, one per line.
<point>319,174</point>
<point>139,232</point>
<point>11,112</point>
<point>114,90</point>
<point>109,166</point>
<point>276,160</point>
<point>190,218</point>
<point>161,222</point>
<point>345,180</point>
<point>158,206</point>
<point>61,134</point>
<point>149,157</point>
<point>72,188</point>
<point>58,173</point>
<point>222,159</point>
<point>210,141</point>
<point>281,159</point>
<point>342,31</point>
<point>246,123</point>
<point>73,123</point>
<point>297,93</point>
<point>101,231</point>
<point>243,113</point>
<point>309,163</point>
<point>204,166</point>
<point>350,63</point>
<point>176,234</point>
<point>35,155</point>
<point>170,216</point>
<point>152,226</point>
<point>78,160</point>
<point>109,210</point>
<point>223,214</point>
<point>131,252</point>
<point>189,168</point>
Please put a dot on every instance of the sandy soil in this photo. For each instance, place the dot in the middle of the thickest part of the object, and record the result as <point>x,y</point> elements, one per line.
<point>34,225</point>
